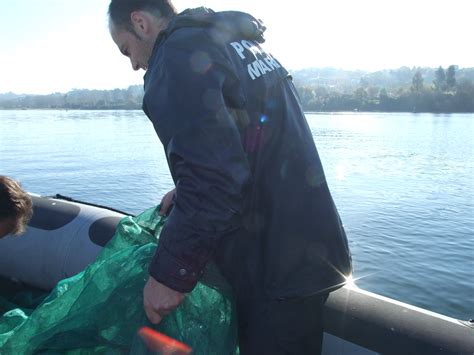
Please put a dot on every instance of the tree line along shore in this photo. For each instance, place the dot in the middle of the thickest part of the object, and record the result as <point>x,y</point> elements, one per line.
<point>437,90</point>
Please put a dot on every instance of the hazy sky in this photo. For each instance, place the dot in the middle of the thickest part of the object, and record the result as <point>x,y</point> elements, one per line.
<point>57,45</point>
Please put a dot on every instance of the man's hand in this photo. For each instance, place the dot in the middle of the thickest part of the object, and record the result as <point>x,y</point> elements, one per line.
<point>167,202</point>
<point>159,300</point>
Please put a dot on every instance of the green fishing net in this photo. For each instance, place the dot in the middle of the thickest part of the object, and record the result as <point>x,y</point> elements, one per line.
<point>100,310</point>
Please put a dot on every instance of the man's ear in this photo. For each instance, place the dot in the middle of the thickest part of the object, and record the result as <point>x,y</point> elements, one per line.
<point>140,22</point>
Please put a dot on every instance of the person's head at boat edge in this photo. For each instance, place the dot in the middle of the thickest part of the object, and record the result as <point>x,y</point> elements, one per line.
<point>135,32</point>
<point>16,207</point>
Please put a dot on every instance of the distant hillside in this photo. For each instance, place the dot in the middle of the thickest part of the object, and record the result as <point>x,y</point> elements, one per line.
<point>343,80</point>
<point>130,98</point>
<point>8,96</point>
<point>320,89</point>
<point>400,90</point>
<point>391,80</point>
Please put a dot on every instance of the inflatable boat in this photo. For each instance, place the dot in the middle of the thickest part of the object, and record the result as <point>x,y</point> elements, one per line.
<point>65,235</point>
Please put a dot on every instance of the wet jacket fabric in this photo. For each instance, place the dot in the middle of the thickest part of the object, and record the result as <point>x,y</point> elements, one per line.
<point>251,193</point>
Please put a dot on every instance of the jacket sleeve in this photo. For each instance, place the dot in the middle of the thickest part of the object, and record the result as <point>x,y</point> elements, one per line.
<point>185,100</point>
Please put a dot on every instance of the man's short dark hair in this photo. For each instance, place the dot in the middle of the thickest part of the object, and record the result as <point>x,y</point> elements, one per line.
<point>120,10</point>
<point>15,204</point>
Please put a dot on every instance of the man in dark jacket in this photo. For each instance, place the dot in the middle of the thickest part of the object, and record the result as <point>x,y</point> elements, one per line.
<point>250,189</point>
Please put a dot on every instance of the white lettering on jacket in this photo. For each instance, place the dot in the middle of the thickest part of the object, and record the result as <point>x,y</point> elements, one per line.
<point>263,63</point>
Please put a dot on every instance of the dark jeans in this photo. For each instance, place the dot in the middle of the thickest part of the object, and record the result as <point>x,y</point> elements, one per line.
<point>286,327</point>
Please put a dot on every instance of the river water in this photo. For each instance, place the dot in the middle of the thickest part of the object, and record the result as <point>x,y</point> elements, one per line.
<point>403,184</point>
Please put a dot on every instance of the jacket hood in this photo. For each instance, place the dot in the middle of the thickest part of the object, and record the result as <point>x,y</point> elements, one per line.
<point>229,24</point>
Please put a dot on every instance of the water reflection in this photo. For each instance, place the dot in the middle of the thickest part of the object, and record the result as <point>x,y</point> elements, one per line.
<point>403,185</point>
